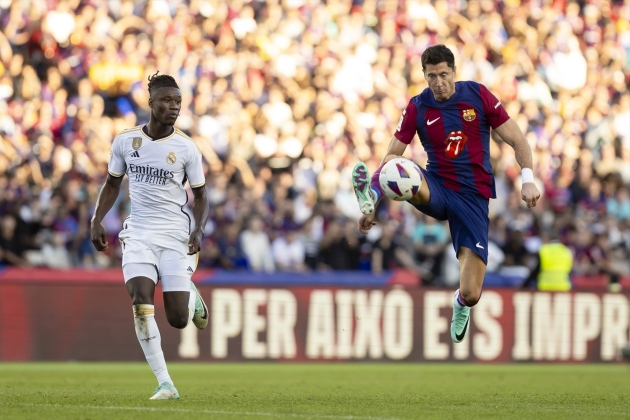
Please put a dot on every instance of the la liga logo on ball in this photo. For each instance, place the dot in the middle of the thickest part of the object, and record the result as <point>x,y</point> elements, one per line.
<point>400,179</point>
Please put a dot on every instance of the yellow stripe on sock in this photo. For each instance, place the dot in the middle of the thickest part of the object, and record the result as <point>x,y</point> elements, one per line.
<point>143,310</point>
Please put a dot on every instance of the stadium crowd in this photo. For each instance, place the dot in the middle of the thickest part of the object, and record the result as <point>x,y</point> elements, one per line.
<point>283,97</point>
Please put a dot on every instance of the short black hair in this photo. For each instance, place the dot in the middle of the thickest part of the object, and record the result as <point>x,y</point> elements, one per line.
<point>163,80</point>
<point>437,54</point>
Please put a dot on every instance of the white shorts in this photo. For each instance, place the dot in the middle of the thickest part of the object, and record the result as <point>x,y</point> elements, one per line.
<point>158,257</point>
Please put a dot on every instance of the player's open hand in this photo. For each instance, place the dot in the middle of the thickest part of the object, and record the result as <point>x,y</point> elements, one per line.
<point>97,236</point>
<point>366,223</point>
<point>530,194</point>
<point>194,243</point>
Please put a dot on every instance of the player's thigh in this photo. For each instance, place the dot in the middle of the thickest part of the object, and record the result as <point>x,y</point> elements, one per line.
<point>136,256</point>
<point>175,263</point>
<point>139,270</point>
<point>423,196</point>
<point>141,289</point>
<point>431,199</point>
<point>176,302</point>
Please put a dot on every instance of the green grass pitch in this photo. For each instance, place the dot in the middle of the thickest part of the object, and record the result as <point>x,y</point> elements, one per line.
<point>316,391</point>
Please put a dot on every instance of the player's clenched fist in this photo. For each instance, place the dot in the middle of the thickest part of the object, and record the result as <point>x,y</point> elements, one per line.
<point>530,194</point>
<point>97,236</point>
<point>194,242</point>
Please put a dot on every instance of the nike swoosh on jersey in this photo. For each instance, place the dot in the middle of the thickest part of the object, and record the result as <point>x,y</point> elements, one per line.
<point>497,105</point>
<point>478,245</point>
<point>432,121</point>
<point>460,337</point>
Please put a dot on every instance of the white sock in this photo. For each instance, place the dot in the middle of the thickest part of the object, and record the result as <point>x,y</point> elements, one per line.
<point>191,306</point>
<point>151,341</point>
<point>457,298</point>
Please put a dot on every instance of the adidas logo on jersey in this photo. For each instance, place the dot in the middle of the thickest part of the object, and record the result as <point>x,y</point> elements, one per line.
<point>190,270</point>
<point>135,154</point>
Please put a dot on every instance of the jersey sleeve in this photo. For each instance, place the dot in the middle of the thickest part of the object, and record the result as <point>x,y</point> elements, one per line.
<point>117,165</point>
<point>492,107</point>
<point>407,124</point>
<point>194,170</point>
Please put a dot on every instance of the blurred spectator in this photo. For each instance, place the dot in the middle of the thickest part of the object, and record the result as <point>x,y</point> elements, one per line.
<point>284,97</point>
<point>553,266</point>
<point>255,244</point>
<point>231,253</point>
<point>11,247</point>
<point>312,233</point>
<point>389,251</point>
<point>429,240</point>
<point>289,252</point>
<point>514,251</point>
<point>55,253</point>
<point>339,248</point>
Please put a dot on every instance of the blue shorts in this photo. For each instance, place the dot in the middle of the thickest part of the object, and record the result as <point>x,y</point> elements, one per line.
<point>467,215</point>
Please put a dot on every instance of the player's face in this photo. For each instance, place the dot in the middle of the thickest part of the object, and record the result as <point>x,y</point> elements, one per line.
<point>441,79</point>
<point>165,104</point>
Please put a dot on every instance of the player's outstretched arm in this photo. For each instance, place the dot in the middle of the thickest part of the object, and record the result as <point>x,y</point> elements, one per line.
<point>200,208</point>
<point>106,199</point>
<point>510,132</point>
<point>395,149</point>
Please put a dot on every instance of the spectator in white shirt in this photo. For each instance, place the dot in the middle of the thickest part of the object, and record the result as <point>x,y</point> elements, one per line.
<point>255,243</point>
<point>289,252</point>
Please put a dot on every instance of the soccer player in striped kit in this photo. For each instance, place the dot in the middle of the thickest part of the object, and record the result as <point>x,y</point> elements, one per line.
<point>453,121</point>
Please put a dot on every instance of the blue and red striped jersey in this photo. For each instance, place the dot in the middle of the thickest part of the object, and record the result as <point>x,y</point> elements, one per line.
<point>456,135</point>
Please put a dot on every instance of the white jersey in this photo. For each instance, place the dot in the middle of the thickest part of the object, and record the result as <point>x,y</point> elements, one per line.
<point>157,171</point>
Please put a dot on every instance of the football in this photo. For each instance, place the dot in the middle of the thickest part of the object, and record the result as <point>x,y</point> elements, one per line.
<point>400,179</point>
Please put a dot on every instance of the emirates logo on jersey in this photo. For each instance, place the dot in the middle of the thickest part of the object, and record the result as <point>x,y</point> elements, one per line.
<point>455,143</point>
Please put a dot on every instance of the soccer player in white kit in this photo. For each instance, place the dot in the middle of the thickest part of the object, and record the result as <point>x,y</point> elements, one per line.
<point>156,238</point>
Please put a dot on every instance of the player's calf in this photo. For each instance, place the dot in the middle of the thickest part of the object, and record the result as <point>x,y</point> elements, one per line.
<point>176,308</point>
<point>150,340</point>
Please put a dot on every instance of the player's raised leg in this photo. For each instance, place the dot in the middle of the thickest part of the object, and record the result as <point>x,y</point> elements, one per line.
<point>182,301</point>
<point>367,195</point>
<point>368,190</point>
<point>141,288</point>
<point>472,272</point>
<point>182,307</point>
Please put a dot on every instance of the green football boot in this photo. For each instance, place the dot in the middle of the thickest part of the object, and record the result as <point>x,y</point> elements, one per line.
<point>361,184</point>
<point>460,321</point>
<point>165,391</point>
<point>200,318</point>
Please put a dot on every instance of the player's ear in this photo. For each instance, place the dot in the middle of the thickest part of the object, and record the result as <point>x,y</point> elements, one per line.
<point>150,101</point>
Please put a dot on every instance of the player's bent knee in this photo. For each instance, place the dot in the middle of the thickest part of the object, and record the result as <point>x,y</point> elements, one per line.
<point>177,320</point>
<point>423,196</point>
<point>470,296</point>
<point>140,280</point>
<point>141,299</point>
